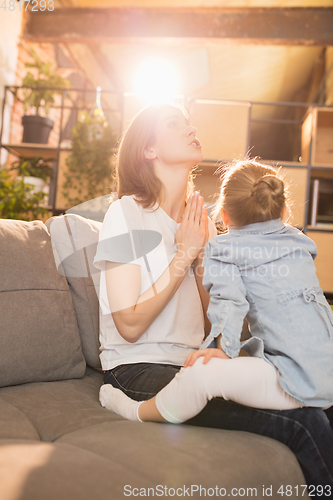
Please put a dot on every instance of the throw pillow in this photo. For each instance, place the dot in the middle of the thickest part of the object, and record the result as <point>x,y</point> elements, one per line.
<point>39,337</point>
<point>74,241</point>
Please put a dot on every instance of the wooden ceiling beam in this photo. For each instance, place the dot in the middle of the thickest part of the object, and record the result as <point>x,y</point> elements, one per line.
<point>280,26</point>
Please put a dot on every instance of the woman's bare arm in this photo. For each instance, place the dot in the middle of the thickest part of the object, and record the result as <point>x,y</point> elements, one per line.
<point>134,313</point>
<point>204,295</point>
<point>198,272</point>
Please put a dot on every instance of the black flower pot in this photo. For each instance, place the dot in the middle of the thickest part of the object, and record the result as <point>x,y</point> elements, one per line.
<point>36,129</point>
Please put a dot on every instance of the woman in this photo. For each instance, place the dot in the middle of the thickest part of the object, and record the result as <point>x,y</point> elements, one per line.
<point>152,299</point>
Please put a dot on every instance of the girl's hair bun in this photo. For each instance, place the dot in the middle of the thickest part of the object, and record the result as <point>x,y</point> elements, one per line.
<point>252,192</point>
<point>268,185</point>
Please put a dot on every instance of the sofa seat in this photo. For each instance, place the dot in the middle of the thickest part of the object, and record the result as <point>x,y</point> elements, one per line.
<point>34,470</point>
<point>179,454</point>
<point>57,442</point>
<point>47,410</point>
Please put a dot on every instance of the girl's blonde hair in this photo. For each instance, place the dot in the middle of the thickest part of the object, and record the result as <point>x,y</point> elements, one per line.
<point>134,173</point>
<point>251,192</point>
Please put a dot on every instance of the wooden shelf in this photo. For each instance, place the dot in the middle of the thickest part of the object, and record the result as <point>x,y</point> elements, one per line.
<point>318,126</point>
<point>323,262</point>
<point>322,227</point>
<point>222,128</point>
<point>214,164</point>
<point>288,164</point>
<point>30,150</point>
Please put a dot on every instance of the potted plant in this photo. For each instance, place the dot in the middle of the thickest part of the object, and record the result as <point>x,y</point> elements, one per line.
<point>18,199</point>
<point>35,171</point>
<point>89,165</point>
<point>36,128</point>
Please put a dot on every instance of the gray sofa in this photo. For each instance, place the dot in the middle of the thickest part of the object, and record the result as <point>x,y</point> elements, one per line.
<point>56,441</point>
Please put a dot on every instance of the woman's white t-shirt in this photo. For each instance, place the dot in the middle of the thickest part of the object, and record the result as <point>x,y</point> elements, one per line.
<point>146,237</point>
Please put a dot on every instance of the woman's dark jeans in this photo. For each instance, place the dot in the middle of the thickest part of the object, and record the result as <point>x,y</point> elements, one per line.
<point>306,431</point>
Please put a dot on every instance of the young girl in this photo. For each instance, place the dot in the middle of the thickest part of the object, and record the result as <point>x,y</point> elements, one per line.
<point>261,269</point>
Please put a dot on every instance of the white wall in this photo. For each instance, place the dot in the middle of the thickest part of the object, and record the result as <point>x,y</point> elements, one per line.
<point>10,29</point>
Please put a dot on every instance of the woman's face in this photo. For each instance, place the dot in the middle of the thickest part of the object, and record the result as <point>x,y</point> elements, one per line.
<point>175,140</point>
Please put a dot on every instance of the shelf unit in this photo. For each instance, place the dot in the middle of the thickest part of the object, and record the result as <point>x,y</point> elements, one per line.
<point>224,130</point>
<point>318,126</point>
<point>315,151</point>
<point>315,161</point>
<point>80,100</point>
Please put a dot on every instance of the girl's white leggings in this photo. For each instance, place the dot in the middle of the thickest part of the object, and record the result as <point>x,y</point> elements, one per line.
<point>246,380</point>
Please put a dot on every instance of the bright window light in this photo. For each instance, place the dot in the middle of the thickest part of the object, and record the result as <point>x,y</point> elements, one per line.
<point>157,81</point>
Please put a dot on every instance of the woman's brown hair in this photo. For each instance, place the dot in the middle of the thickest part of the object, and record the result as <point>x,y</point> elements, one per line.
<point>251,192</point>
<point>134,173</point>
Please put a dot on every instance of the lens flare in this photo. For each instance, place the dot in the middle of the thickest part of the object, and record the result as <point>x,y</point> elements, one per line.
<point>157,81</point>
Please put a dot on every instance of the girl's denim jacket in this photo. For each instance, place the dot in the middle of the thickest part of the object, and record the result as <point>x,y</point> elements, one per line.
<point>265,272</point>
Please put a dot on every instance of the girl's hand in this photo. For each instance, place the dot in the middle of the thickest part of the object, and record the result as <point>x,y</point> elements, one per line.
<point>192,234</point>
<point>207,354</point>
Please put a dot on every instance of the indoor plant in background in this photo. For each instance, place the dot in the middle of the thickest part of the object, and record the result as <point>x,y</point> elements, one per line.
<point>35,171</point>
<point>37,102</point>
<point>89,165</point>
<point>19,200</point>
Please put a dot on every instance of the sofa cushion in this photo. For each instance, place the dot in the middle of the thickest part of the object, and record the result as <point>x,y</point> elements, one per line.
<point>147,460</point>
<point>57,408</point>
<point>74,241</point>
<point>14,423</point>
<point>173,455</point>
<point>39,337</point>
<point>31,470</point>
